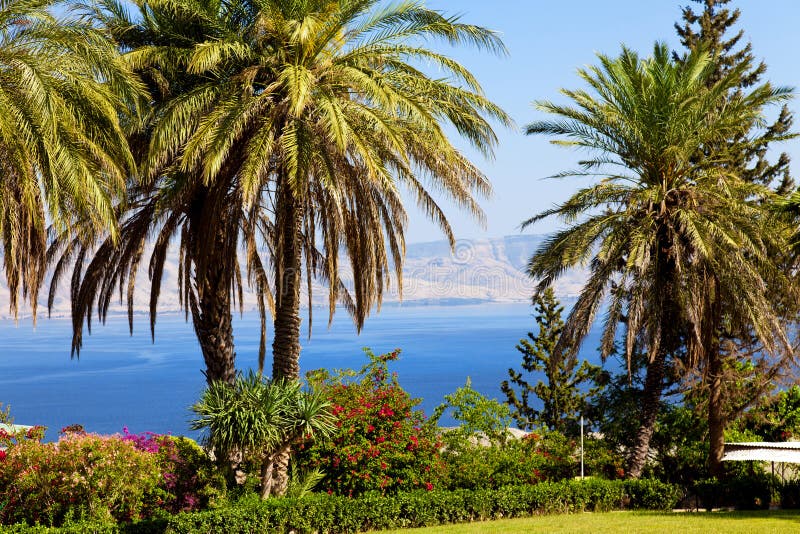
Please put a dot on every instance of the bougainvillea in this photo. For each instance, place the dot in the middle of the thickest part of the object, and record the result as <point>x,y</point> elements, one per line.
<point>382,442</point>
<point>88,476</point>
<point>188,478</point>
<point>80,476</point>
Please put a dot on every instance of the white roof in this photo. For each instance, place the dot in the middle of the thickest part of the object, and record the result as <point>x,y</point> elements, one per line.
<point>763,451</point>
<point>13,428</point>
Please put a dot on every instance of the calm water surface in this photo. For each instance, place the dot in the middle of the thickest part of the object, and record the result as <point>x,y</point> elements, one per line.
<point>123,380</point>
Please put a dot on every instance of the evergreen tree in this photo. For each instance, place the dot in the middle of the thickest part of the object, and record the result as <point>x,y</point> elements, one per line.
<point>710,29</point>
<point>560,394</point>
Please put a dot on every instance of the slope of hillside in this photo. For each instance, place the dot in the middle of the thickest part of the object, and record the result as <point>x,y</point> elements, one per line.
<point>482,270</point>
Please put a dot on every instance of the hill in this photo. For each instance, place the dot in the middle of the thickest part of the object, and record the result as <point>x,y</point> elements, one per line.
<point>479,270</point>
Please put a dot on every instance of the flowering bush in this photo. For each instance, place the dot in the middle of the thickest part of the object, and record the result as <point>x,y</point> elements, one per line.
<point>382,443</point>
<point>81,476</point>
<point>188,478</point>
<point>9,439</point>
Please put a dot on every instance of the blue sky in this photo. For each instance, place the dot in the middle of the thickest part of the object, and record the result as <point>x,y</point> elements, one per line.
<point>548,41</point>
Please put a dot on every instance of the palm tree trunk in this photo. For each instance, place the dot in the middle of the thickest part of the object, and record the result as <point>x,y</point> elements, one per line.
<point>213,324</point>
<point>651,399</point>
<point>714,368</point>
<point>286,343</point>
<point>716,418</point>
<point>214,258</point>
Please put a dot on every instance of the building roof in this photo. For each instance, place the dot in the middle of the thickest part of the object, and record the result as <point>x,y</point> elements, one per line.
<point>763,451</point>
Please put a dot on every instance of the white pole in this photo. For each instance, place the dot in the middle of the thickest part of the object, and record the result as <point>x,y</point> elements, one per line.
<point>581,447</point>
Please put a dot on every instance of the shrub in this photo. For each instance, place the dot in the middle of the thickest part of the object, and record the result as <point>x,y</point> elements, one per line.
<point>189,480</point>
<point>381,442</point>
<point>337,514</point>
<point>751,491</point>
<point>477,415</point>
<point>334,514</point>
<point>81,476</point>
<point>537,457</point>
<point>790,494</point>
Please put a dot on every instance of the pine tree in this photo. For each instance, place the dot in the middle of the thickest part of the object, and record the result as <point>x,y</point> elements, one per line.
<point>560,394</point>
<point>711,28</point>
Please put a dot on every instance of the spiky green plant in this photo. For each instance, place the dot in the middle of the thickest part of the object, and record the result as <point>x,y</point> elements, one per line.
<point>662,233</point>
<point>63,154</point>
<point>260,419</point>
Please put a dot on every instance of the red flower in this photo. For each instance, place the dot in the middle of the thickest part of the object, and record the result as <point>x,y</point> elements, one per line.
<point>2,455</point>
<point>429,486</point>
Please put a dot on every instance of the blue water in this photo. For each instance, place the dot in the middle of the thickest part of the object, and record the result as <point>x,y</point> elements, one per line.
<point>123,380</point>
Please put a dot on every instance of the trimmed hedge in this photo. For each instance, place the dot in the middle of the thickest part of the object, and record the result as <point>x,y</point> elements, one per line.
<point>335,514</point>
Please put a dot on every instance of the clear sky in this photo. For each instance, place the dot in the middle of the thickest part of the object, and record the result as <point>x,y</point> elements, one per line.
<point>548,41</point>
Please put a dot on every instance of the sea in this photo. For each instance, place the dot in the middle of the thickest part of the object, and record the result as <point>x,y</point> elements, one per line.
<point>122,380</point>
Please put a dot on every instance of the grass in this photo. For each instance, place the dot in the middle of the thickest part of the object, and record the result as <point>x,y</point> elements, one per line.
<point>778,521</point>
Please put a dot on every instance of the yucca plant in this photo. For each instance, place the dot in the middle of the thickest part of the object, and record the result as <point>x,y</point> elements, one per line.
<point>257,419</point>
<point>664,234</point>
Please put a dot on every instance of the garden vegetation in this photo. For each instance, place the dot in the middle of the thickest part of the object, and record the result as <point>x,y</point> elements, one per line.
<point>271,142</point>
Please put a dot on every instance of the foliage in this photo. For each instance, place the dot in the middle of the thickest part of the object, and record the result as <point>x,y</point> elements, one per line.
<point>478,417</point>
<point>336,514</point>
<point>65,97</point>
<point>746,491</point>
<point>260,418</point>
<point>775,417</point>
<point>732,355</point>
<point>5,415</point>
<point>656,249</point>
<point>382,442</point>
<point>708,29</point>
<point>189,480</point>
<point>677,448</point>
<point>537,457</point>
<point>789,493</point>
<point>680,446</point>
<point>82,476</point>
<point>560,394</point>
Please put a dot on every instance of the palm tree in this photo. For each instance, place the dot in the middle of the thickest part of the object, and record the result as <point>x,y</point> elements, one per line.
<point>328,107</point>
<point>63,154</point>
<point>293,125</point>
<point>166,202</point>
<point>663,234</point>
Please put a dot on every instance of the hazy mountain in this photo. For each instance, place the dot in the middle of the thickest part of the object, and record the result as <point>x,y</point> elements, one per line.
<point>481,270</point>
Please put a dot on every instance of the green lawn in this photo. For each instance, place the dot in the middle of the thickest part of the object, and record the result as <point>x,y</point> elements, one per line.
<point>779,521</point>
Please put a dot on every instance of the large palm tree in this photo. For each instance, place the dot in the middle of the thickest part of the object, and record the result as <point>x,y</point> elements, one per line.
<point>352,119</point>
<point>290,126</point>
<point>63,154</point>
<point>663,233</point>
<point>167,202</point>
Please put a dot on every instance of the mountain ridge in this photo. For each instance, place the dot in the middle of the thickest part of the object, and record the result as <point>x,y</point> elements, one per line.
<point>488,270</point>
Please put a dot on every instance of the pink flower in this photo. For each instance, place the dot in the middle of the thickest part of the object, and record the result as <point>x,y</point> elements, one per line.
<point>2,455</point>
